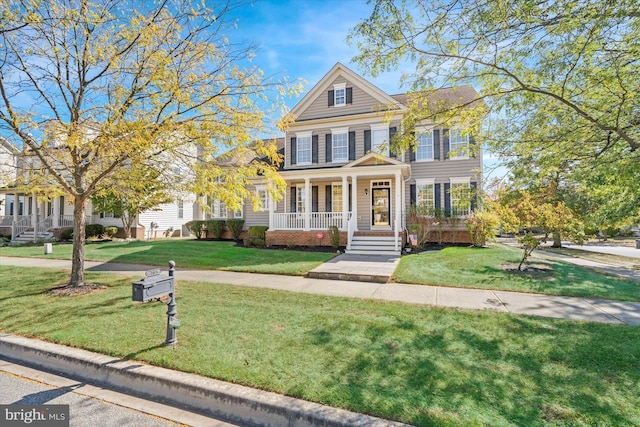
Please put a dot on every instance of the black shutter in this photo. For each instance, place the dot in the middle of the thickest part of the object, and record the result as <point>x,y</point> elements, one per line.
<point>349,95</point>
<point>328,195</point>
<point>331,96</point>
<point>352,145</point>
<point>367,141</point>
<point>314,198</point>
<point>436,194</point>
<point>294,200</point>
<point>474,196</point>
<point>392,132</point>
<point>413,147</point>
<point>350,204</point>
<point>447,199</point>
<point>436,144</point>
<point>314,149</point>
<point>294,156</point>
<point>328,147</point>
<point>472,146</point>
<point>412,195</point>
<point>445,136</point>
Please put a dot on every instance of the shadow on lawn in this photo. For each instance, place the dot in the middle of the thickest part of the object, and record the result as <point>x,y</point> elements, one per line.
<point>458,375</point>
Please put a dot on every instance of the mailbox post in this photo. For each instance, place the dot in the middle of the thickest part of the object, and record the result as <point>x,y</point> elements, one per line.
<point>172,322</point>
<point>155,286</point>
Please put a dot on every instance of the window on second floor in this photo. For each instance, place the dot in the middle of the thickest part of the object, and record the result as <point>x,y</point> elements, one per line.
<point>459,145</point>
<point>304,150</point>
<point>424,149</point>
<point>340,145</point>
<point>380,140</point>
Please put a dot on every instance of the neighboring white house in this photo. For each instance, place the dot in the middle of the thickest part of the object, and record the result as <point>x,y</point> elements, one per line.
<point>8,159</point>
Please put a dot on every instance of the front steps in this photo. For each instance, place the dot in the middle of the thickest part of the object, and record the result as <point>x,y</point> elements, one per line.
<point>368,244</point>
<point>28,237</point>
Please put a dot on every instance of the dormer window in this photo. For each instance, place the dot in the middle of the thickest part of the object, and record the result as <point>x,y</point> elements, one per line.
<point>340,95</point>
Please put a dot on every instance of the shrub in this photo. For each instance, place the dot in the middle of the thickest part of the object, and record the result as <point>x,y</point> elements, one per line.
<point>258,231</point>
<point>216,227</point>
<point>93,230</point>
<point>482,227</point>
<point>110,231</point>
<point>254,241</point>
<point>196,228</point>
<point>235,227</point>
<point>335,236</point>
<point>67,234</point>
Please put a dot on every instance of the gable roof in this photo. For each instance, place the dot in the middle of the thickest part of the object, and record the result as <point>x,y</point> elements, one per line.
<point>341,70</point>
<point>364,160</point>
<point>442,98</point>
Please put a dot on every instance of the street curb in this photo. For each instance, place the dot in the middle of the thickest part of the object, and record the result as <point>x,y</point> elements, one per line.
<point>231,402</point>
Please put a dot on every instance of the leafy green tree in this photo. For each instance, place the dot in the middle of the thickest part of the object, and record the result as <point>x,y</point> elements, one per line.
<point>123,82</point>
<point>130,192</point>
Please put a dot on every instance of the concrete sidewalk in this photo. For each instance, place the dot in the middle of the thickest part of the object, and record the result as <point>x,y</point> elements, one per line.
<point>572,308</point>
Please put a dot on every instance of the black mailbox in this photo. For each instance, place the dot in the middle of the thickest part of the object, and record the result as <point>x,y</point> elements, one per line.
<point>152,287</point>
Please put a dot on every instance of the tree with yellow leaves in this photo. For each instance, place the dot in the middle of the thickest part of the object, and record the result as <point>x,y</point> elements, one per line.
<point>91,88</point>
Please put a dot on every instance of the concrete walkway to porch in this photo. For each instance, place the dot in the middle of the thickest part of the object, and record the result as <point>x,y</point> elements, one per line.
<point>361,268</point>
<point>604,311</point>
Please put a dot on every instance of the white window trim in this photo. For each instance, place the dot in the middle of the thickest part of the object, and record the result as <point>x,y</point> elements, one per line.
<point>433,143</point>
<point>238,214</point>
<point>333,198</point>
<point>266,208</point>
<point>460,180</point>
<point>302,201</point>
<point>451,150</point>
<point>299,135</point>
<point>379,127</point>
<point>427,181</point>
<point>339,131</point>
<point>336,87</point>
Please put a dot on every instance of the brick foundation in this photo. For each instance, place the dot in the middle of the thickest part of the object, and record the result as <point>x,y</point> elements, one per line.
<point>302,238</point>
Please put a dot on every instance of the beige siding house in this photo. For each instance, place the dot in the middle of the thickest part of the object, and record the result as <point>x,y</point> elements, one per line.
<point>340,172</point>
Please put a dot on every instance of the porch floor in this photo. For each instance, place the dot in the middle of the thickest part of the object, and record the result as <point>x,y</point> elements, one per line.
<point>361,268</point>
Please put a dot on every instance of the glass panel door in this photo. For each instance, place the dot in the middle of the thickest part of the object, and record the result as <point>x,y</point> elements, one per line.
<point>380,215</point>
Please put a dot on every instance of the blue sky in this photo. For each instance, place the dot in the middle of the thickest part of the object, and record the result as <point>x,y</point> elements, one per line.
<point>304,39</point>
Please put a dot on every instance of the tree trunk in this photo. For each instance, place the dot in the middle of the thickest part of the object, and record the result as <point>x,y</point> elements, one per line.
<point>77,260</point>
<point>557,241</point>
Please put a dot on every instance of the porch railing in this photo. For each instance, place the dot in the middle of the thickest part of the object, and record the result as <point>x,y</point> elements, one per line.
<point>352,225</point>
<point>66,221</point>
<point>317,220</point>
<point>44,225</point>
<point>21,226</point>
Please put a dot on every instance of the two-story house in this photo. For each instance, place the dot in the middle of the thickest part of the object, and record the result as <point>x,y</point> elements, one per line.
<point>340,172</point>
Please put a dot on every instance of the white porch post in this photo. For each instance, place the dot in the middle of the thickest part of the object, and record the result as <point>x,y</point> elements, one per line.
<point>398,211</point>
<point>56,212</point>
<point>34,216</point>
<point>16,205</point>
<point>345,202</point>
<point>307,204</point>
<point>354,200</point>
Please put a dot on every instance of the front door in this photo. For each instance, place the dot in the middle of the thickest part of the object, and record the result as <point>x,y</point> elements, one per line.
<point>380,207</point>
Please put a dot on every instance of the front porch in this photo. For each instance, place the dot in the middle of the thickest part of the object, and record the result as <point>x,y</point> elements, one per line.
<point>366,195</point>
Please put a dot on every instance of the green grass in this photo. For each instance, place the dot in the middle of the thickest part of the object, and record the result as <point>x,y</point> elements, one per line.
<point>415,364</point>
<point>484,268</point>
<point>191,253</point>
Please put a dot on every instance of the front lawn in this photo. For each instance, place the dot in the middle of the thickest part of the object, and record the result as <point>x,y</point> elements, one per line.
<point>495,268</point>
<point>188,253</point>
<point>420,365</point>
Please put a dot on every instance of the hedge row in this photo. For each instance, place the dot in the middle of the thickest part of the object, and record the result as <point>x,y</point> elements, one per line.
<point>216,227</point>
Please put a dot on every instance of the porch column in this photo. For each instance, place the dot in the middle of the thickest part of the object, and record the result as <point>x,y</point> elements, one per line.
<point>354,200</point>
<point>16,206</point>
<point>34,216</point>
<point>56,212</point>
<point>398,210</point>
<point>307,204</point>
<point>345,202</point>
